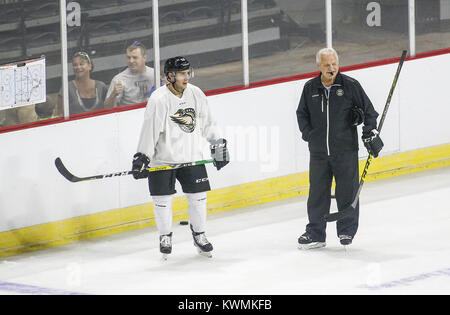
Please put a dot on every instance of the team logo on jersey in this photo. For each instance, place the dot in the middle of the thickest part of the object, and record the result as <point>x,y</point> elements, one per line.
<point>340,92</point>
<point>185,118</point>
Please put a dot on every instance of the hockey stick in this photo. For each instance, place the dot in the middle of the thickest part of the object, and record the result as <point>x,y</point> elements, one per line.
<point>349,210</point>
<point>74,179</point>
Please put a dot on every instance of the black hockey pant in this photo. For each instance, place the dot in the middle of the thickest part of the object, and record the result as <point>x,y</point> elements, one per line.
<point>344,167</point>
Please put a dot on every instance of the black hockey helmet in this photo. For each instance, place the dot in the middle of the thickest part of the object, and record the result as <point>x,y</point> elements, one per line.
<point>175,64</point>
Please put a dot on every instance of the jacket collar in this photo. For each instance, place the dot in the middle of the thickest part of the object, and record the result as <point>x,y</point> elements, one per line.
<point>317,82</point>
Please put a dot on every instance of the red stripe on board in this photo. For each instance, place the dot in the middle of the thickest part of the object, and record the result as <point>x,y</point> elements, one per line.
<point>222,91</point>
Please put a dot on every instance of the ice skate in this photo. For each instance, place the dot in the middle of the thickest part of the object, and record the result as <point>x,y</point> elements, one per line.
<point>165,245</point>
<point>345,240</point>
<point>306,242</point>
<point>204,247</point>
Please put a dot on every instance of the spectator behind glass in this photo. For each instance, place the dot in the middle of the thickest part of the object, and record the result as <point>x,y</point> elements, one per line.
<point>17,115</point>
<point>46,110</point>
<point>85,94</point>
<point>134,84</point>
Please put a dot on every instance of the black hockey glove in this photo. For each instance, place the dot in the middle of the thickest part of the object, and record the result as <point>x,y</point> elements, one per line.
<point>357,116</point>
<point>219,153</point>
<point>372,142</point>
<point>140,164</point>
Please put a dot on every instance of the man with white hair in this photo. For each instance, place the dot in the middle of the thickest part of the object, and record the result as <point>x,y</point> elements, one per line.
<point>331,107</point>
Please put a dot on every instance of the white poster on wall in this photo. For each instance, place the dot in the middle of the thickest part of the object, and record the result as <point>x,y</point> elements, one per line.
<point>22,83</point>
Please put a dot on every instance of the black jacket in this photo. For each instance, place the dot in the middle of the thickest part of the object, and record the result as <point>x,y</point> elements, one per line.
<point>325,118</point>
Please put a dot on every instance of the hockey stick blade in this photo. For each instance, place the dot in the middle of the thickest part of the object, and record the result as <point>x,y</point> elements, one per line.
<point>72,178</point>
<point>64,172</point>
<point>339,215</point>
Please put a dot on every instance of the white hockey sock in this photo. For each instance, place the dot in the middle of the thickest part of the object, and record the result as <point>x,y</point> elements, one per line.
<point>197,211</point>
<point>163,213</point>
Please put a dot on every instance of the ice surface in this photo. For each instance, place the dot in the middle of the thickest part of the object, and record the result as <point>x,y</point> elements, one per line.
<point>402,247</point>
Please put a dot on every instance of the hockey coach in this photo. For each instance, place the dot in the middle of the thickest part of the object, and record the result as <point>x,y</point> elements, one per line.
<point>331,107</point>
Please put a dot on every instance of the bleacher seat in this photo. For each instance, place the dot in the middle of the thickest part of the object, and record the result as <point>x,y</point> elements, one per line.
<point>42,10</point>
<point>41,39</point>
<point>99,28</point>
<point>202,12</point>
<point>235,6</point>
<point>10,15</point>
<point>171,17</point>
<point>8,43</point>
<point>135,23</point>
<point>100,4</point>
<point>130,1</point>
<point>259,4</point>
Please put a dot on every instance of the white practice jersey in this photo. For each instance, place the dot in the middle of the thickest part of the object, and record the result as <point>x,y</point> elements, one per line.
<point>175,129</point>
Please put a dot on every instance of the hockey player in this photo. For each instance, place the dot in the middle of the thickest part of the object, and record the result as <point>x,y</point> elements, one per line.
<point>330,108</point>
<point>176,121</point>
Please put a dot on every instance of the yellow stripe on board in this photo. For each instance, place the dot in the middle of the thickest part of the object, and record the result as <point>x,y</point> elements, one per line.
<point>116,221</point>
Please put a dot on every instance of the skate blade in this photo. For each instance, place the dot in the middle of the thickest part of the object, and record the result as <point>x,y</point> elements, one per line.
<point>165,256</point>
<point>312,245</point>
<point>204,254</point>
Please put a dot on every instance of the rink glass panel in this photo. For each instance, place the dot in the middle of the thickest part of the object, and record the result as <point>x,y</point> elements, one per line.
<point>432,25</point>
<point>284,36</point>
<point>208,34</point>
<point>365,31</point>
<point>104,31</point>
<point>30,29</point>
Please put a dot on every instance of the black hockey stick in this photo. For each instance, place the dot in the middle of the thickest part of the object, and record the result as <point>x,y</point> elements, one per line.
<point>350,209</point>
<point>74,179</point>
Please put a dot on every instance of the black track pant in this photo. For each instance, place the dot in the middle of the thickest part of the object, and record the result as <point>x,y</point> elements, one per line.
<point>344,167</point>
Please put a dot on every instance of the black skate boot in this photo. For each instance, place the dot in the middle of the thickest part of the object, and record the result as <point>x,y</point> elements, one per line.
<point>204,247</point>
<point>306,242</point>
<point>345,239</point>
<point>165,245</point>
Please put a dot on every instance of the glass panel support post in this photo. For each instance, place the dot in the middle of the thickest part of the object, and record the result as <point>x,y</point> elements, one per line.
<point>328,23</point>
<point>156,53</point>
<point>64,59</point>
<point>412,27</point>
<point>245,55</point>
